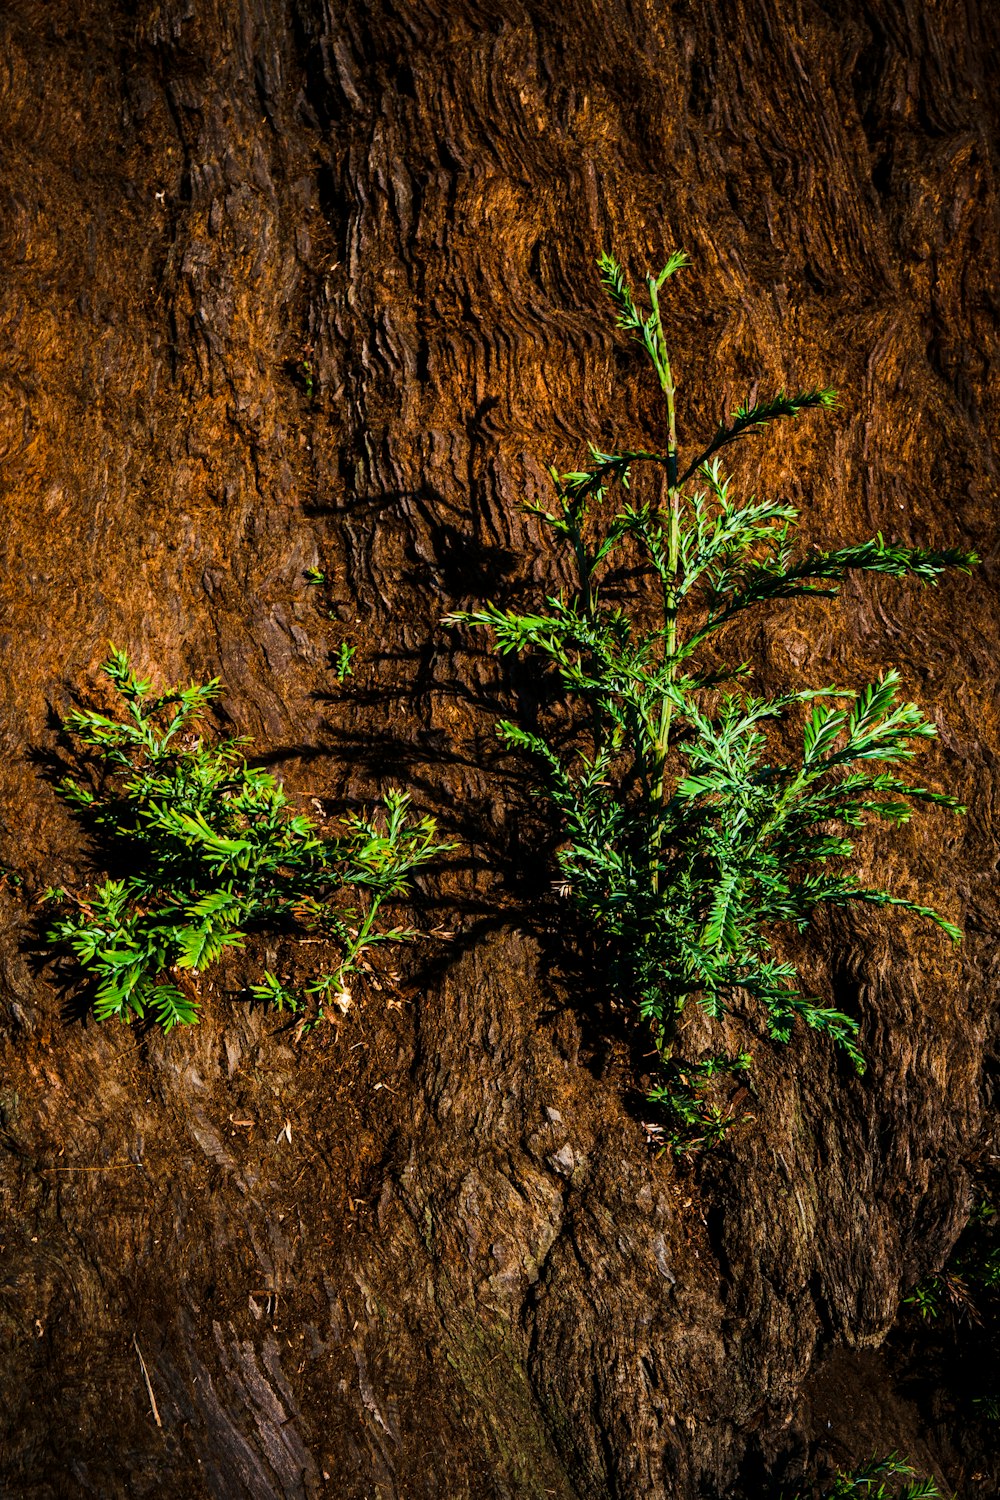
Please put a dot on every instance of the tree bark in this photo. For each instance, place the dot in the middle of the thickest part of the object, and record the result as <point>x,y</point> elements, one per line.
<point>292,285</point>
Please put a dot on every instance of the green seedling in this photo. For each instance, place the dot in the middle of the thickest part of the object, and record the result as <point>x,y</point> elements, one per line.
<point>342,667</point>
<point>208,852</point>
<point>690,842</point>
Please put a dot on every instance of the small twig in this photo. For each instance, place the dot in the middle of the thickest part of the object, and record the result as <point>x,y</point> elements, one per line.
<point>149,1387</point>
<point>115,1166</point>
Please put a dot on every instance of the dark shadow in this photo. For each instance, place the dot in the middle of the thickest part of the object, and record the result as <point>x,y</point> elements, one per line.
<point>465,561</point>
<point>461,565</point>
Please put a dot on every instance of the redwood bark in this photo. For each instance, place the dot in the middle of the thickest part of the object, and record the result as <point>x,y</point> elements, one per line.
<point>459,1271</point>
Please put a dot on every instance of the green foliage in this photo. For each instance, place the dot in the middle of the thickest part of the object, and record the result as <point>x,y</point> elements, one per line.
<point>342,662</point>
<point>689,841</point>
<point>879,1479</point>
<point>926,1298</point>
<point>683,1089</point>
<point>208,852</point>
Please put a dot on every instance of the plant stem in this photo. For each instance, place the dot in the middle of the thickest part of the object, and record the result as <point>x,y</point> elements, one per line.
<point>350,963</point>
<point>661,361</point>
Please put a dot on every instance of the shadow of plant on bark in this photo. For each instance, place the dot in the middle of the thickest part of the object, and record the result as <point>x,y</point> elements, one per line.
<point>576,964</point>
<point>453,559</point>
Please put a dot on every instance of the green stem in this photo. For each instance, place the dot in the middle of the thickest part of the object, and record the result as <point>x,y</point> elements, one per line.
<point>585,573</point>
<point>661,361</point>
<point>360,943</point>
<point>588,602</point>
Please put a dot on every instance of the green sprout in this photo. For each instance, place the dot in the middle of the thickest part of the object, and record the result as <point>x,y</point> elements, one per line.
<point>689,842</point>
<point>209,853</point>
<point>342,667</point>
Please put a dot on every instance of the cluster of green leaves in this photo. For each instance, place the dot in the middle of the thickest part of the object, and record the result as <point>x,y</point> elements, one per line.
<point>208,852</point>
<point>688,843</point>
<point>880,1479</point>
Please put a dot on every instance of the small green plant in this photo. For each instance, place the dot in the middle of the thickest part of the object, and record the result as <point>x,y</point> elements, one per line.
<point>879,1479</point>
<point>688,844</point>
<point>306,372</point>
<point>315,576</point>
<point>342,662</point>
<point>207,852</point>
<point>683,1092</point>
<point>926,1298</point>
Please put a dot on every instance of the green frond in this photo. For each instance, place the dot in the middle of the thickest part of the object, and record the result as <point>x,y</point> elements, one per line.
<point>754,416</point>
<point>614,283</point>
<point>677,262</point>
<point>118,668</point>
<point>822,732</point>
<point>172,1007</point>
<point>721,929</point>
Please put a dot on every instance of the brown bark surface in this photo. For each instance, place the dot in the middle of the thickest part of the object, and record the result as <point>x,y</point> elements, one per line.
<point>431,1254</point>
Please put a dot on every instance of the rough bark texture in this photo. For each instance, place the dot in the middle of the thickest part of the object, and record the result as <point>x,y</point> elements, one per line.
<point>459,1271</point>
